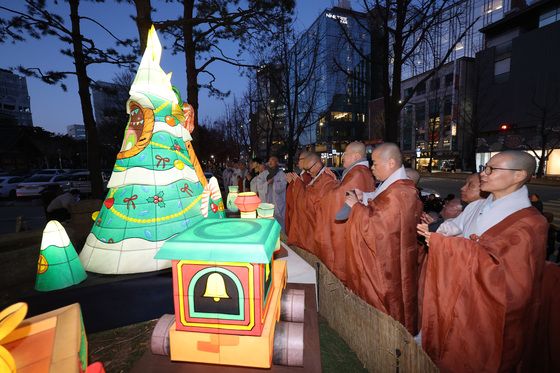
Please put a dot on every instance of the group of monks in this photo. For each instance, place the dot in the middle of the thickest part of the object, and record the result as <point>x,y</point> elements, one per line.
<point>472,292</point>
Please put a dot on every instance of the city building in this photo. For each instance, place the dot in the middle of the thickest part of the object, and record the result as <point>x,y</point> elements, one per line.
<point>15,105</point>
<point>108,100</point>
<point>519,85</point>
<point>436,120</point>
<point>437,123</point>
<point>455,19</point>
<point>269,121</point>
<point>76,131</point>
<point>336,111</point>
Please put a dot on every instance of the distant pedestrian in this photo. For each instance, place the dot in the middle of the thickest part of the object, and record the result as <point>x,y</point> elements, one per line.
<point>276,194</point>
<point>59,208</point>
<point>471,192</point>
<point>258,183</point>
<point>433,204</point>
<point>536,201</point>
<point>49,194</point>
<point>227,174</point>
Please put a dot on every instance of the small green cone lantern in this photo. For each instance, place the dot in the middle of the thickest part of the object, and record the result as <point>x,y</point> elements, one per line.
<point>59,265</point>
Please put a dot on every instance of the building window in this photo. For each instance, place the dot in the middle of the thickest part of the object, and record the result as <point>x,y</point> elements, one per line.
<point>341,116</point>
<point>408,92</point>
<point>501,70</point>
<point>549,17</point>
<point>421,88</point>
<point>492,6</point>
<point>449,80</point>
<point>434,84</point>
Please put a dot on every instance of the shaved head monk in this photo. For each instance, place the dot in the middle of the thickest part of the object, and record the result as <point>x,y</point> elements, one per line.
<point>329,234</point>
<point>483,274</point>
<point>382,262</point>
<point>303,219</point>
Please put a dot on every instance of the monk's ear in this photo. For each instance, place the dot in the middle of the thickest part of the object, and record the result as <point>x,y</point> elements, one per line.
<point>521,176</point>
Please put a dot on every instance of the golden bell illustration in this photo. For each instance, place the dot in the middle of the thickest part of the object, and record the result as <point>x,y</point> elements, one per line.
<point>215,287</point>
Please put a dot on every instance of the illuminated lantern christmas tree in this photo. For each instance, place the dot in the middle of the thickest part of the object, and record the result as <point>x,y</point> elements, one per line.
<point>59,265</point>
<point>157,188</point>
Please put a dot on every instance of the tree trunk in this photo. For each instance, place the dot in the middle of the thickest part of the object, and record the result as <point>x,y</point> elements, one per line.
<point>542,160</point>
<point>190,58</point>
<point>143,21</point>
<point>85,100</point>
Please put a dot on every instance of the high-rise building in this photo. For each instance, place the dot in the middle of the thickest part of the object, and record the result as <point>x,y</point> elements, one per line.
<point>431,120</point>
<point>15,106</point>
<point>76,131</point>
<point>269,120</point>
<point>444,35</point>
<point>333,113</point>
<point>436,123</point>
<point>518,102</point>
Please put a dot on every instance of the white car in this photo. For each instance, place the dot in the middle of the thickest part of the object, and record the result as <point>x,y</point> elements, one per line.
<point>77,180</point>
<point>8,186</point>
<point>35,185</point>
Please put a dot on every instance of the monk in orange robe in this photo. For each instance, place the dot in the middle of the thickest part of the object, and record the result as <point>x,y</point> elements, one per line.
<point>545,357</point>
<point>296,186</point>
<point>330,234</point>
<point>483,274</point>
<point>323,180</point>
<point>382,262</point>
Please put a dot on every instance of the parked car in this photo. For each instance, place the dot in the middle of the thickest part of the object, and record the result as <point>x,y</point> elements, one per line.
<point>425,192</point>
<point>50,171</point>
<point>8,186</point>
<point>34,186</point>
<point>77,170</point>
<point>77,180</point>
<point>448,166</point>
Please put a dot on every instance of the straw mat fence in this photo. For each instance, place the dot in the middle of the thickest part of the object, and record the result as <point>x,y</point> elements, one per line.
<point>381,343</point>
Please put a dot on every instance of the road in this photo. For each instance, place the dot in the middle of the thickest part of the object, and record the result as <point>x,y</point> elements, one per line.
<point>550,195</point>
<point>31,211</point>
<point>445,186</point>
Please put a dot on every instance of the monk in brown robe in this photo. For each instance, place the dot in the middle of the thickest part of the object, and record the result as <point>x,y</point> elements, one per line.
<point>546,345</point>
<point>323,180</point>
<point>483,274</point>
<point>330,234</point>
<point>382,262</point>
<point>296,186</point>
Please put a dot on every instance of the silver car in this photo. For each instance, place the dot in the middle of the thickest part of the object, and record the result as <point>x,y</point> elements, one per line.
<point>8,186</point>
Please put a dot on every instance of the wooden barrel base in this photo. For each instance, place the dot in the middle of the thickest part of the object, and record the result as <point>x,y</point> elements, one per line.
<point>160,336</point>
<point>288,344</point>
<point>292,305</point>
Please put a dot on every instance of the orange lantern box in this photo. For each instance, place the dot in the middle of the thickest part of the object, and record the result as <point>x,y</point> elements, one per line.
<point>227,288</point>
<point>51,342</point>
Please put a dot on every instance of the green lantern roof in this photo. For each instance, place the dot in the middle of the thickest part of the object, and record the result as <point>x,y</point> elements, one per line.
<point>224,240</point>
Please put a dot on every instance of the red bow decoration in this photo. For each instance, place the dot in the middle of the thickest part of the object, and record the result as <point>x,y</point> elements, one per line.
<point>130,200</point>
<point>161,159</point>
<point>187,190</point>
